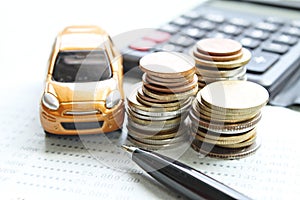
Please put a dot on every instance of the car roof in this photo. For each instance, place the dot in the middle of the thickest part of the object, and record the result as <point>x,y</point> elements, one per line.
<point>82,38</point>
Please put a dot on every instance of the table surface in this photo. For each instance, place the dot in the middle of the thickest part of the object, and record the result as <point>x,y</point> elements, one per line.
<point>29,161</point>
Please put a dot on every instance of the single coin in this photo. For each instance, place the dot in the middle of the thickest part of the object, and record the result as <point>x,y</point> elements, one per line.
<point>172,80</point>
<point>218,46</point>
<point>225,65</point>
<point>178,104</point>
<point>225,153</point>
<point>145,117</point>
<point>225,128</point>
<point>175,83</point>
<point>229,139</point>
<point>171,90</point>
<point>234,96</point>
<point>170,97</point>
<point>154,135</point>
<point>179,138</point>
<point>217,72</point>
<point>167,64</point>
<point>162,123</point>
<point>153,128</point>
<point>147,98</point>
<point>209,57</point>
<point>245,143</point>
<point>152,146</point>
<point>133,102</point>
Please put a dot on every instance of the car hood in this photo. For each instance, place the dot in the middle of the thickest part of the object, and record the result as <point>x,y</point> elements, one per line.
<point>82,92</point>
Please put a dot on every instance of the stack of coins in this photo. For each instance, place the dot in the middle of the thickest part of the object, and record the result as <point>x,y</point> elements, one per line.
<point>224,117</point>
<point>158,106</point>
<point>219,59</point>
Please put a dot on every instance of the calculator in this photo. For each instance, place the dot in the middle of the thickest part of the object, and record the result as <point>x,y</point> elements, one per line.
<point>271,33</point>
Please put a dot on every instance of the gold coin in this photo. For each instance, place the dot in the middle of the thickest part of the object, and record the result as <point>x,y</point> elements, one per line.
<point>207,56</point>
<point>234,96</point>
<point>145,117</point>
<point>177,139</point>
<point>212,137</point>
<point>225,153</point>
<point>178,104</point>
<point>170,97</point>
<point>218,46</point>
<point>217,72</point>
<point>153,128</point>
<point>172,90</point>
<point>167,64</point>
<point>156,123</point>
<point>228,64</point>
<point>143,96</point>
<point>154,135</point>
<point>225,128</point>
<point>246,143</point>
<point>174,81</point>
<point>133,102</point>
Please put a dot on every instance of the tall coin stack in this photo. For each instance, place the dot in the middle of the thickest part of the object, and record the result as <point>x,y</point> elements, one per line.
<point>219,59</point>
<point>224,117</point>
<point>158,106</point>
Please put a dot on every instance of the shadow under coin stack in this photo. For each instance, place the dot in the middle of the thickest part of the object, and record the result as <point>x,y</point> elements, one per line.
<point>157,108</point>
<point>219,59</point>
<point>224,117</point>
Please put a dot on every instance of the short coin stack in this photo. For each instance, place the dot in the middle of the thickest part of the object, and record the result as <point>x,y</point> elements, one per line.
<point>224,117</point>
<point>159,105</point>
<point>219,59</point>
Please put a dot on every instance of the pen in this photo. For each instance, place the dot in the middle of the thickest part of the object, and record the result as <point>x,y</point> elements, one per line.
<point>187,181</point>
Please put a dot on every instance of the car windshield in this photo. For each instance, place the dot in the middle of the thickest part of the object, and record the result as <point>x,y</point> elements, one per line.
<point>81,66</point>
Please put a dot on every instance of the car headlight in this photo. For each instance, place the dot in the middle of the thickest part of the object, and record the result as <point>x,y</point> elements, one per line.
<point>112,99</point>
<point>50,101</point>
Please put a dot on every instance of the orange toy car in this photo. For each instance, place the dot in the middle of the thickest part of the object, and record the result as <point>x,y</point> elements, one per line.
<point>83,92</point>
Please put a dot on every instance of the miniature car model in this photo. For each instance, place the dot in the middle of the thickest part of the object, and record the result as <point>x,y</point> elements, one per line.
<point>83,91</point>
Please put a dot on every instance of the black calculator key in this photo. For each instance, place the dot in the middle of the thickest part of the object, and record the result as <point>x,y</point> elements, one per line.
<point>181,21</point>
<point>182,40</point>
<point>250,42</point>
<point>276,48</point>
<point>261,62</point>
<point>239,22</point>
<point>214,18</point>
<point>168,47</point>
<point>170,28</point>
<point>193,32</point>
<point>204,25</point>
<point>230,29</point>
<point>286,39</point>
<point>257,34</point>
<point>192,14</point>
<point>292,31</point>
<point>267,26</point>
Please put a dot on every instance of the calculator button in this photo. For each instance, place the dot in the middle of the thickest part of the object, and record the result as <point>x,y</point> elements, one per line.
<point>239,22</point>
<point>257,34</point>
<point>266,26</point>
<point>275,20</point>
<point>286,39</point>
<point>170,28</point>
<point>296,23</point>
<point>193,32</point>
<point>182,40</point>
<point>193,14</point>
<point>142,45</point>
<point>168,47</point>
<point>292,31</point>
<point>204,25</point>
<point>230,29</point>
<point>158,36</point>
<point>250,42</point>
<point>261,62</point>
<point>276,48</point>
<point>214,18</point>
<point>181,21</point>
<point>217,35</point>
